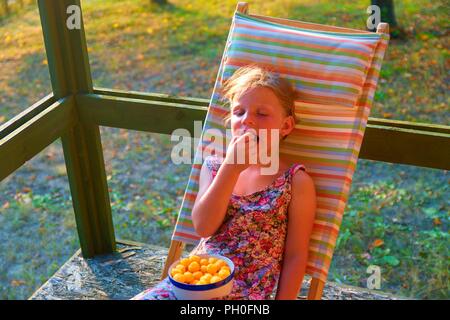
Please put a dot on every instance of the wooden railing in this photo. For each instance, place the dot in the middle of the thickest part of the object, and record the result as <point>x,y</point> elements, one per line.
<point>75,110</point>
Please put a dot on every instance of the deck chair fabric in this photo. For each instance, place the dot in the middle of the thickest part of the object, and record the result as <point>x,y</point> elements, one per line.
<point>336,75</point>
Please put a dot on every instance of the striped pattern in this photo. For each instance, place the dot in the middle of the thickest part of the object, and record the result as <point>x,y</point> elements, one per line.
<point>336,73</point>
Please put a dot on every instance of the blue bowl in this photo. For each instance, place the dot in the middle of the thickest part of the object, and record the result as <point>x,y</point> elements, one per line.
<point>221,288</point>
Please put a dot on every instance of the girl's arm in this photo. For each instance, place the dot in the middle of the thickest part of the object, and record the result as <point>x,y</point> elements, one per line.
<point>214,196</point>
<point>301,213</point>
<point>212,199</point>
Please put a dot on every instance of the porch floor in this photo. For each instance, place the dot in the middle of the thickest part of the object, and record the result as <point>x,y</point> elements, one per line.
<point>137,266</point>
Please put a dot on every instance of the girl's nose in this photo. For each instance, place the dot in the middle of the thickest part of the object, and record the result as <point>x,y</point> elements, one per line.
<point>248,120</point>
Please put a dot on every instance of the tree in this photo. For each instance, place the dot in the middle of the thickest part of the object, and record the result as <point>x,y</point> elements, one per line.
<point>388,15</point>
<point>4,6</point>
<point>159,2</point>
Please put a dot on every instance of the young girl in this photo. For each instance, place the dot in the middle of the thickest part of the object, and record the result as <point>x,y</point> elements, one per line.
<point>261,222</point>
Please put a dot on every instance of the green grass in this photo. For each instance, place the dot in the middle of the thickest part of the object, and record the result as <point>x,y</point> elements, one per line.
<point>410,215</point>
<point>177,50</point>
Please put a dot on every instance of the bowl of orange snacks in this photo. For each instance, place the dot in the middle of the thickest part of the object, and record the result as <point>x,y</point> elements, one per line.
<point>202,277</point>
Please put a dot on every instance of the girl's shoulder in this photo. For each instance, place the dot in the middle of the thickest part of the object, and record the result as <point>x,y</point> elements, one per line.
<point>294,173</point>
<point>295,167</point>
<point>300,179</point>
<point>290,168</point>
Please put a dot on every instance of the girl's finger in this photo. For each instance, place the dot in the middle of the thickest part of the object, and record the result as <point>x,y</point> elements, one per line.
<point>243,138</point>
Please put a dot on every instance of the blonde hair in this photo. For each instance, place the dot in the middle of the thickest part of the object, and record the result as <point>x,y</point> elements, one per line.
<point>252,76</point>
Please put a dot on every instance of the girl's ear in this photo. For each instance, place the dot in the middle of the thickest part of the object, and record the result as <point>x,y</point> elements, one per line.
<point>288,126</point>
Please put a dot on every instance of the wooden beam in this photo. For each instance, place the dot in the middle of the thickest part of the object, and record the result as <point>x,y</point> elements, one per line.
<point>315,289</point>
<point>33,135</point>
<point>150,96</point>
<point>70,75</point>
<point>89,189</point>
<point>14,123</point>
<point>138,114</point>
<point>66,49</point>
<point>242,7</point>
<point>429,147</point>
<point>428,127</point>
<point>175,251</point>
<point>419,144</point>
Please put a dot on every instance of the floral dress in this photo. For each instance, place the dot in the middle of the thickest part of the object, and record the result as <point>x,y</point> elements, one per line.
<point>252,235</point>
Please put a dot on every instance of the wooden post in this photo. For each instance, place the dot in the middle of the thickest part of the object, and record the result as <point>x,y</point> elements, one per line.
<point>242,7</point>
<point>70,75</point>
<point>315,289</point>
<point>383,27</point>
<point>175,251</point>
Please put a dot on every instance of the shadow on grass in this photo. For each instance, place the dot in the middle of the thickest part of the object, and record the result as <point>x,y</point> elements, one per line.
<point>203,30</point>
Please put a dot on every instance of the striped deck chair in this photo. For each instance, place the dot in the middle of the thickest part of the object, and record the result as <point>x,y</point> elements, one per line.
<point>336,72</point>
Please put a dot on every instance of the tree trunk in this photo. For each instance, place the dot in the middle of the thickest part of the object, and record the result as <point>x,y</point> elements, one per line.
<point>387,13</point>
<point>4,6</point>
<point>159,2</point>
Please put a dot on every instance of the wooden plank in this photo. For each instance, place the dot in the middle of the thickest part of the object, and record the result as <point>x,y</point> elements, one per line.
<point>383,27</point>
<point>205,103</point>
<point>428,127</point>
<point>406,146</point>
<point>137,114</point>
<point>316,289</point>
<point>121,276</point>
<point>150,96</point>
<point>395,141</point>
<point>70,74</point>
<point>175,251</point>
<point>88,186</point>
<point>30,138</point>
<point>66,50</point>
<point>242,7</point>
<point>14,123</point>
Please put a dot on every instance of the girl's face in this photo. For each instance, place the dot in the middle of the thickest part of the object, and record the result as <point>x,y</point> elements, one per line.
<point>259,108</point>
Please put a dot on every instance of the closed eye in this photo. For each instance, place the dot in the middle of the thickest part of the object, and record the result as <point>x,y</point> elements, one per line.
<point>262,112</point>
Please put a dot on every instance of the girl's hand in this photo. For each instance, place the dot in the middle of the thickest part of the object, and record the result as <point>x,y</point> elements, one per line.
<point>245,144</point>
